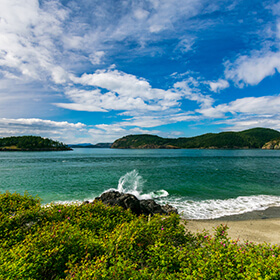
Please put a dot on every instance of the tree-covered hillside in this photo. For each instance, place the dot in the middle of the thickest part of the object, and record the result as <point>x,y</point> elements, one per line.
<point>31,143</point>
<point>254,138</point>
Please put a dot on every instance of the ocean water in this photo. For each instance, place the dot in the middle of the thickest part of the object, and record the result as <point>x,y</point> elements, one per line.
<point>202,184</point>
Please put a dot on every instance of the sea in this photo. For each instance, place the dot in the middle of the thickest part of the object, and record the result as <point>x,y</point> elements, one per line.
<point>201,184</point>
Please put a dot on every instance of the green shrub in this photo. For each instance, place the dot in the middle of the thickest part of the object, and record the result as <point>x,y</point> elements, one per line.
<point>94,241</point>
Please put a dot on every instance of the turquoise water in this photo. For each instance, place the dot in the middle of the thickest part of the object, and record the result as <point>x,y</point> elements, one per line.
<point>200,183</point>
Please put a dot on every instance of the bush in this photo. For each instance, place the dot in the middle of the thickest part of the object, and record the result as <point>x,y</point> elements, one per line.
<point>94,241</point>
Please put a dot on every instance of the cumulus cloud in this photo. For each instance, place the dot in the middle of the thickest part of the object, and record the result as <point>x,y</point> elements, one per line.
<point>189,88</point>
<point>63,131</point>
<point>251,70</point>
<point>264,105</point>
<point>115,90</point>
<point>96,58</point>
<point>242,123</point>
<point>67,132</point>
<point>28,39</point>
<point>218,85</point>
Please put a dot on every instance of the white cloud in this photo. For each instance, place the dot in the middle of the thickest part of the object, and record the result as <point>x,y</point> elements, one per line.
<point>62,131</point>
<point>251,70</point>
<point>40,123</point>
<point>243,123</point>
<point>28,39</point>
<point>218,85</point>
<point>262,106</point>
<point>51,46</point>
<point>186,44</point>
<point>189,88</point>
<point>110,133</point>
<point>115,90</point>
<point>141,14</point>
<point>275,8</point>
<point>96,58</point>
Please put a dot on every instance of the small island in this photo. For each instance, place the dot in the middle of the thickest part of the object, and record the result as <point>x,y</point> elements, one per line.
<point>31,143</point>
<point>256,138</point>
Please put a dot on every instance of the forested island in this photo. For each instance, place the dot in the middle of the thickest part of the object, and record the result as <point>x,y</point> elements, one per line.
<point>31,143</point>
<point>256,138</point>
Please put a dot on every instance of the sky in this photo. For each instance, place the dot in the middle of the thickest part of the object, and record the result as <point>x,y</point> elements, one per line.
<point>91,71</point>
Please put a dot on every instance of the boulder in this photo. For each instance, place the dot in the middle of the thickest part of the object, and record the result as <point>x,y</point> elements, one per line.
<point>150,207</point>
<point>125,200</point>
<point>169,209</point>
<point>130,201</point>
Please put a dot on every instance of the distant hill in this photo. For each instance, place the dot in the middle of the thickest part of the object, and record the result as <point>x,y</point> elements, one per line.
<point>254,138</point>
<point>88,145</point>
<point>31,143</point>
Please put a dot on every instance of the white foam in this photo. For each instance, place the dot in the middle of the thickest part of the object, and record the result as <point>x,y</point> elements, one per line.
<point>216,208</point>
<point>133,183</point>
<point>188,208</point>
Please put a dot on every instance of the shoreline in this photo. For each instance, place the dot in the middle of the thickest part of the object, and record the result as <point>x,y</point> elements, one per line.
<point>258,226</point>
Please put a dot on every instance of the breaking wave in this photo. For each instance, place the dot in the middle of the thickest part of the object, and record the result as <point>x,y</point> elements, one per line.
<point>216,208</point>
<point>133,183</point>
<point>189,208</point>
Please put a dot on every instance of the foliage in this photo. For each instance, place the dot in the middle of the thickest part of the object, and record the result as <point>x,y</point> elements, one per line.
<point>94,241</point>
<point>252,138</point>
<point>31,143</point>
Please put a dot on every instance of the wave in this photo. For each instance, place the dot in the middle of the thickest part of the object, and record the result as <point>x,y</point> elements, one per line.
<point>133,183</point>
<point>216,208</point>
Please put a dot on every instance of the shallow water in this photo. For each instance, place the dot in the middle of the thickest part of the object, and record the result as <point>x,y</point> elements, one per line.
<point>200,183</point>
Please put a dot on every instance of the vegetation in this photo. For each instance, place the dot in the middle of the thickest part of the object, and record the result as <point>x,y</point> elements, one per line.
<point>252,138</point>
<point>101,242</point>
<point>31,143</point>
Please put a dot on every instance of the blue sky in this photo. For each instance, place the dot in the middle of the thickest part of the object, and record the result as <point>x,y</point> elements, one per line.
<point>92,71</point>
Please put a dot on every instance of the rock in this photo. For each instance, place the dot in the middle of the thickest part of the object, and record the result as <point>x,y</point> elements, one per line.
<point>150,207</point>
<point>272,145</point>
<point>129,201</point>
<point>169,209</point>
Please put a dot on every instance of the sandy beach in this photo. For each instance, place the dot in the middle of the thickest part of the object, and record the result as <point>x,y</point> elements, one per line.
<point>256,226</point>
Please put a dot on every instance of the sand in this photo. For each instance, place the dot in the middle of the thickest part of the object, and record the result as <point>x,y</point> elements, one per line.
<point>256,226</point>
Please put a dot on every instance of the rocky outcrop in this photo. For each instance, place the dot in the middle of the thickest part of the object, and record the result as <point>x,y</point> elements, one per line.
<point>272,145</point>
<point>129,201</point>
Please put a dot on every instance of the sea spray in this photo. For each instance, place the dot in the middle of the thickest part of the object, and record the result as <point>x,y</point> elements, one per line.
<point>133,183</point>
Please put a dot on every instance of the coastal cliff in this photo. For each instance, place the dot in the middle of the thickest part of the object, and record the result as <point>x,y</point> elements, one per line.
<point>272,145</point>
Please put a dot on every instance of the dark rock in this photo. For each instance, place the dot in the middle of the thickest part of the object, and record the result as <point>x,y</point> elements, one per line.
<point>169,209</point>
<point>109,197</point>
<point>150,207</point>
<point>129,201</point>
<point>125,200</point>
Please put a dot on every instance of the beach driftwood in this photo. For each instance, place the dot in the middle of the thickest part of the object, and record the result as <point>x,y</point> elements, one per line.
<point>130,201</point>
